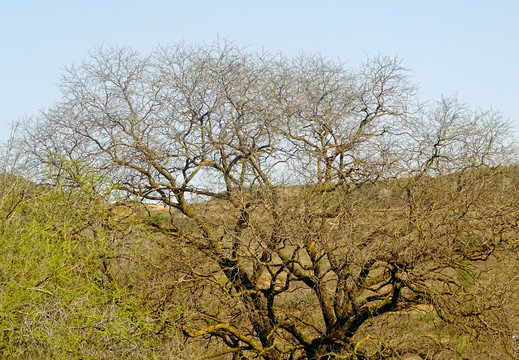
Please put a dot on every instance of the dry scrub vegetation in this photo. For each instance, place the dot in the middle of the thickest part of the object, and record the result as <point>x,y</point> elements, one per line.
<point>209,202</point>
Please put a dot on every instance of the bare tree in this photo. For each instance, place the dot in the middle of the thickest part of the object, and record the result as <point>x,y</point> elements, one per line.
<point>339,201</point>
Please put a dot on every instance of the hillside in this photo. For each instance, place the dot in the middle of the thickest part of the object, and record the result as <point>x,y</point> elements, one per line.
<point>80,278</point>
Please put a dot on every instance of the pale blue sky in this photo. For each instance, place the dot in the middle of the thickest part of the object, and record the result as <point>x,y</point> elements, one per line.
<point>456,46</point>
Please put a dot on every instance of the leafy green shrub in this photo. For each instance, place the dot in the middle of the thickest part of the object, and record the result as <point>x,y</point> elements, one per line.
<point>75,279</point>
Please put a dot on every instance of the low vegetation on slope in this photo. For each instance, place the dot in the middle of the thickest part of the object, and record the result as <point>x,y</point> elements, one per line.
<point>82,278</point>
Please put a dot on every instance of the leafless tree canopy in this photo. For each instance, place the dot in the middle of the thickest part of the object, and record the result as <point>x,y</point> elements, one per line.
<point>318,204</point>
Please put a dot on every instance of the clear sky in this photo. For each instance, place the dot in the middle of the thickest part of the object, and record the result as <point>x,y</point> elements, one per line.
<point>468,47</point>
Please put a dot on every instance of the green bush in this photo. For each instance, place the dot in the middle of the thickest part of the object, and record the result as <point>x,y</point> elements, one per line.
<point>73,279</point>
